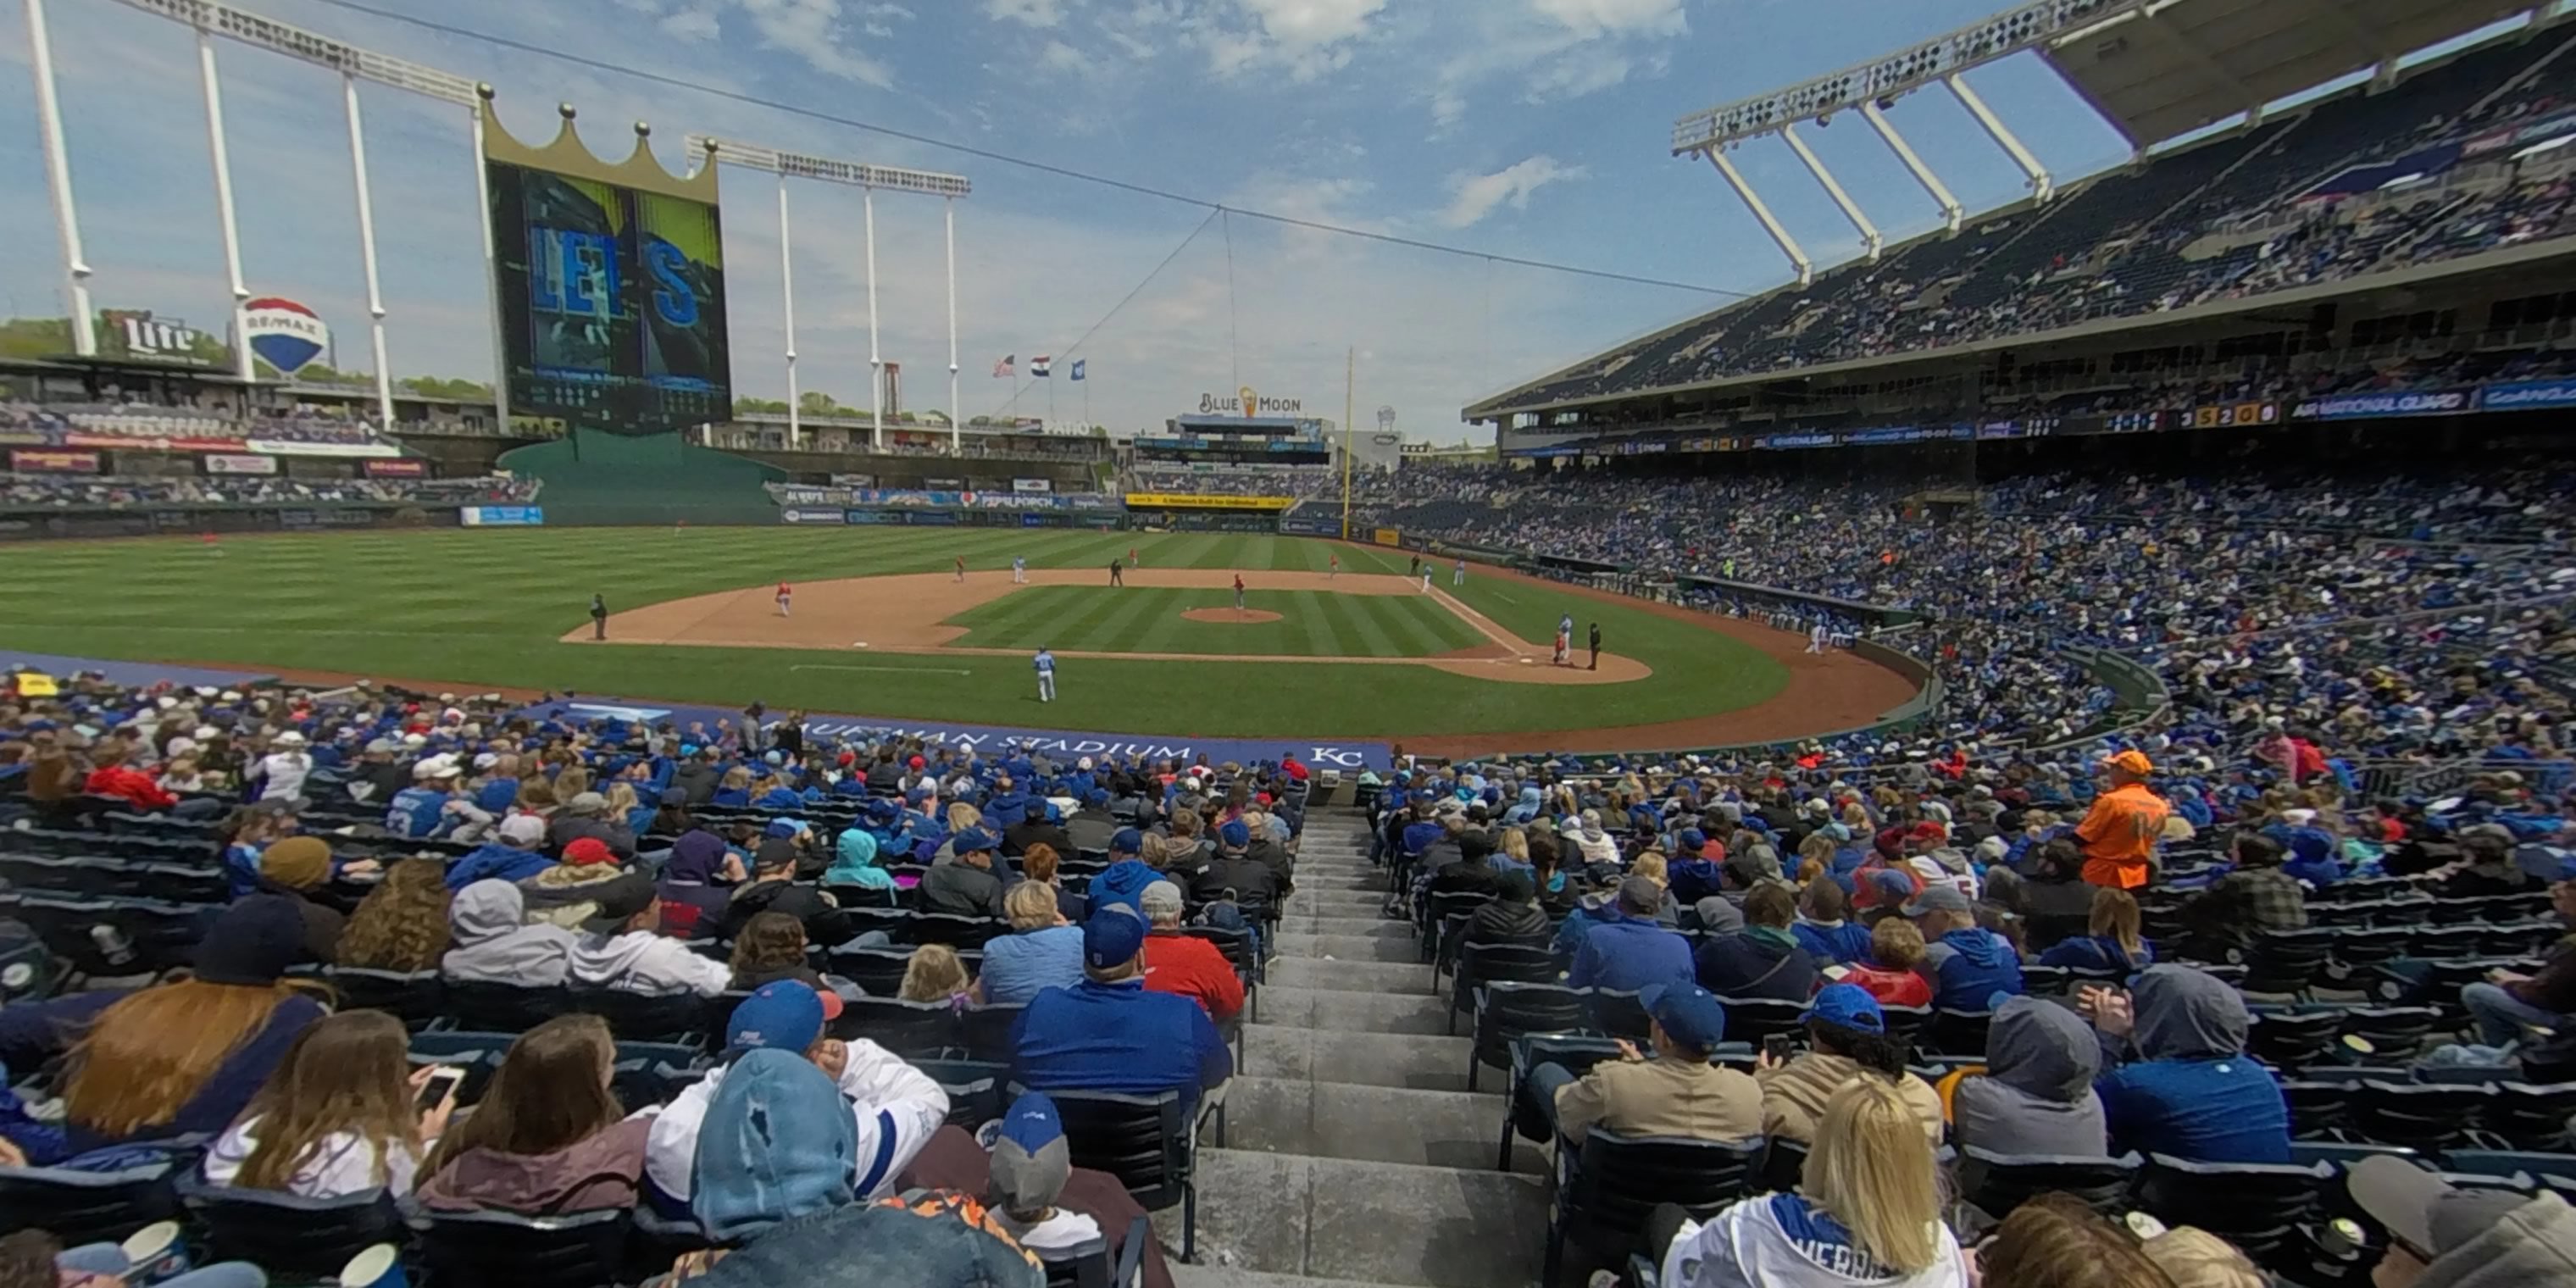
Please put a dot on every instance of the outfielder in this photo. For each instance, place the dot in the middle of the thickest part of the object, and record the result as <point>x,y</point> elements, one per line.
<point>961,568</point>
<point>1458,575</point>
<point>1019,570</point>
<point>1046,675</point>
<point>1332,567</point>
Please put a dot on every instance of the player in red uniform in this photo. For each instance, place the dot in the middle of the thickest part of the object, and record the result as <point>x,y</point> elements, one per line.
<point>785,592</point>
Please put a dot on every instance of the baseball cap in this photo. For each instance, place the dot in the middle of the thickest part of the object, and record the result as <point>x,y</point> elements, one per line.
<point>618,902</point>
<point>1127,840</point>
<point>1162,898</point>
<point>1640,894</point>
<point>785,1014</point>
<point>252,942</point>
<point>587,803</point>
<point>972,839</point>
<point>1937,898</point>
<point>523,829</point>
<point>2131,761</point>
<point>1031,1160</point>
<point>1112,937</point>
<point>1234,835</point>
<point>1692,840</point>
<point>2420,1210</point>
<point>585,850</point>
<point>783,827</point>
<point>1848,1005</point>
<point>1688,1014</point>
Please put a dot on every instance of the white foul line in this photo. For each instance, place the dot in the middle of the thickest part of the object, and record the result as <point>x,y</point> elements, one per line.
<point>903,670</point>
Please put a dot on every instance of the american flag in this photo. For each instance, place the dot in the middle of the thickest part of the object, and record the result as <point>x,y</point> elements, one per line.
<point>1002,369</point>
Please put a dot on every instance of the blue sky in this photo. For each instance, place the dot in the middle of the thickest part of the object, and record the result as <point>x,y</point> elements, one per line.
<point>1528,128</point>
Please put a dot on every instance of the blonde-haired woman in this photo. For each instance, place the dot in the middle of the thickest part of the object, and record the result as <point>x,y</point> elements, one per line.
<point>1867,1211</point>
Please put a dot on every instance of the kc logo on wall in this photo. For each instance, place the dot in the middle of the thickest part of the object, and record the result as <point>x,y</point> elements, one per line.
<point>286,335</point>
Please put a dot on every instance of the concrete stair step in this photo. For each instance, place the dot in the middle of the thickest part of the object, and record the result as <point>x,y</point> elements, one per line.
<point>1358,948</point>
<point>1185,1276</point>
<point>1344,922</point>
<point>1349,976</point>
<point>1416,1013</point>
<point>1378,1223</point>
<point>1370,1124</point>
<point>1370,1059</point>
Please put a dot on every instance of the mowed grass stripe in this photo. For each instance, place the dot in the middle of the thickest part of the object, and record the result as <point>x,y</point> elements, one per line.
<point>1011,618</point>
<point>1361,611</point>
<point>1314,626</point>
<point>1155,630</point>
<point>1090,618</point>
<point>1441,630</point>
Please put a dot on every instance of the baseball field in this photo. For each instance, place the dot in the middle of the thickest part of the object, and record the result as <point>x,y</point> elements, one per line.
<point>881,625</point>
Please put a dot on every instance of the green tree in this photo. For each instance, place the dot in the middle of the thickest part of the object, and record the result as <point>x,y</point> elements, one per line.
<point>759,406</point>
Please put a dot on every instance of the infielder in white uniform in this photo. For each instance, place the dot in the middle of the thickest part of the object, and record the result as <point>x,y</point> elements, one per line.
<point>1816,638</point>
<point>1019,571</point>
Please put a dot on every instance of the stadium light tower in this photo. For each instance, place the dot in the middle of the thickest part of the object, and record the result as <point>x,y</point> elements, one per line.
<point>212,18</point>
<point>866,178</point>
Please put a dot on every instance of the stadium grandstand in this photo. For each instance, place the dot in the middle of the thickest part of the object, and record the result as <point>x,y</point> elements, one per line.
<point>2052,768</point>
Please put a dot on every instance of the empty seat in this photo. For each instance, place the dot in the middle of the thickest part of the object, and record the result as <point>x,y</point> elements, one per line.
<point>2286,961</point>
<point>2256,1206</point>
<point>289,1235</point>
<point>1997,1183</point>
<point>92,1207</point>
<point>1605,1189</point>
<point>507,1250</point>
<point>414,997</point>
<point>925,1029</point>
<point>2292,1040</point>
<point>1480,963</point>
<point>1507,1010</point>
<point>2430,1117</point>
<point>1619,1015</point>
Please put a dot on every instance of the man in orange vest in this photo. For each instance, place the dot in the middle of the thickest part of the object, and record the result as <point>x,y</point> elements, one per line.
<point>2126,821</point>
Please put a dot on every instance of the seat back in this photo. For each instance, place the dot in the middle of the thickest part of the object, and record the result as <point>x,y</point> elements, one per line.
<point>2292,1039</point>
<point>1953,1031</point>
<point>2256,1206</point>
<point>644,1017</point>
<point>414,997</point>
<point>503,1008</point>
<point>2317,1107</point>
<point>1144,1141</point>
<point>2286,961</point>
<point>90,1207</point>
<point>1506,1010</point>
<point>961,933</point>
<point>1997,1183</point>
<point>2423,1116</point>
<point>286,1234</point>
<point>1750,1020</point>
<point>985,1031</point>
<point>877,971</point>
<point>506,1250</point>
<point>1620,1015</point>
<point>974,1089</point>
<point>909,1029</point>
<point>2530,1117</point>
<point>1605,1192</point>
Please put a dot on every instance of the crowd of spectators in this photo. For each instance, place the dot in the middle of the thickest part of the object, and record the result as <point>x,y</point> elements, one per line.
<point>138,419</point>
<point>91,491</point>
<point>1145,477</point>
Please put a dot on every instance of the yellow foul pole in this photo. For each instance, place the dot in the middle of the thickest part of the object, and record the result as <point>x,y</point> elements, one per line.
<point>1350,399</point>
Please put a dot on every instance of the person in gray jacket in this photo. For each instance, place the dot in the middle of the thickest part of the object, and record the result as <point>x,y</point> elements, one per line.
<point>2036,1095</point>
<point>2440,1236</point>
<point>489,945</point>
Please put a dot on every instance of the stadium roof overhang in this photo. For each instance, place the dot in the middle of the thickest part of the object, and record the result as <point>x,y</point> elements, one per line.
<point>2163,69</point>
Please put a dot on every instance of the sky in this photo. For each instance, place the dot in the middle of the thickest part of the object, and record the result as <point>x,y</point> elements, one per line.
<point>1533,129</point>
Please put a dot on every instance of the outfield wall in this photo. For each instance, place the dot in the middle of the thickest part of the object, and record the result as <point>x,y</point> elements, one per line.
<point>40,523</point>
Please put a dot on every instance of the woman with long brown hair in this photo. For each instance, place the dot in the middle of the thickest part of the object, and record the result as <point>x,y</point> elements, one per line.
<point>336,1117</point>
<point>402,924</point>
<point>549,1136</point>
<point>179,1058</point>
<point>2111,941</point>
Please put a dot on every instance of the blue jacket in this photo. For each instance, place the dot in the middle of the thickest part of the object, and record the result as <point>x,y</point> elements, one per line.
<point>1848,942</point>
<point>2224,1110</point>
<point>2085,952</point>
<point>1020,966</point>
<point>498,794</point>
<point>1626,954</point>
<point>416,812</point>
<point>1591,911</point>
<point>1968,967</point>
<point>496,862</point>
<point>1118,1038</point>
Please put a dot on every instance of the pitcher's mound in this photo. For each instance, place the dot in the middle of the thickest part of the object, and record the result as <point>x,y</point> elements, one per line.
<point>1229,616</point>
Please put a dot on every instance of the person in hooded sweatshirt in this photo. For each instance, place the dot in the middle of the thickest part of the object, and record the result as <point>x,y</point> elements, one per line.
<point>489,941</point>
<point>623,948</point>
<point>515,854</point>
<point>855,866</point>
<point>1823,927</point>
<point>773,888</point>
<point>1763,960</point>
<point>1633,950</point>
<point>2176,1079</point>
<point>2443,1236</point>
<point>561,893</point>
<point>888,1108</point>
<point>1965,965</point>
<point>2036,1094</point>
<point>698,884</point>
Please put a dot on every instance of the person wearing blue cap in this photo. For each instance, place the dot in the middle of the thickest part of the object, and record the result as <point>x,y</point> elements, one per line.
<point>1632,949</point>
<point>1673,1092</point>
<point>1847,1040</point>
<point>964,883</point>
<point>894,1107</point>
<point>1109,1033</point>
<point>1232,873</point>
<point>1090,827</point>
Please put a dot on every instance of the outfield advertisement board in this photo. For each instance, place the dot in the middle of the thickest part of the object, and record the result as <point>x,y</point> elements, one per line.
<point>1195,501</point>
<point>501,516</point>
<point>794,514</point>
<point>30,462</point>
<point>990,741</point>
<point>2527,395</point>
<point>2370,406</point>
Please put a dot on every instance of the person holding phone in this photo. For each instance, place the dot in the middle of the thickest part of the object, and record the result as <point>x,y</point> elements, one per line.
<point>1673,1092</point>
<point>345,1112</point>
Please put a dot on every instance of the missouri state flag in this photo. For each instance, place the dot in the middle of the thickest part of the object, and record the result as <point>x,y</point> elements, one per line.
<point>1077,369</point>
<point>1041,366</point>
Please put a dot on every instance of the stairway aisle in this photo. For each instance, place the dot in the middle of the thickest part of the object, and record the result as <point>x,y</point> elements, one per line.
<point>1356,1156</point>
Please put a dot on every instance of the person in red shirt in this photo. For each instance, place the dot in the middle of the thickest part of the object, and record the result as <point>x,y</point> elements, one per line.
<point>1288,765</point>
<point>784,592</point>
<point>1185,965</point>
<point>1895,949</point>
<point>122,779</point>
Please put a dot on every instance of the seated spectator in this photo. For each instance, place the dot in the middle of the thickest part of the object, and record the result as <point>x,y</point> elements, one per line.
<point>548,1137</point>
<point>1178,962</point>
<point>1090,827</point>
<point>2054,1241</point>
<point>2508,1005</point>
<point>963,884</point>
<point>2256,897</point>
<point>1557,896</point>
<point>1042,951</point>
<point>857,864</point>
<point>244,833</point>
<point>953,1161</point>
<point>2441,1236</point>
<point>1632,950</point>
<point>402,924</point>
<point>1233,874</point>
<point>176,1059</point>
<point>1109,1033</point>
<point>935,973</point>
<point>2111,941</point>
<point>1042,865</point>
<point>2180,1082</point>
<point>770,948</point>
<point>773,887</point>
<point>1592,845</point>
<point>1763,960</point>
<point>1966,965</point>
<point>512,855</point>
<point>293,869</point>
<point>2056,899</point>
<point>1847,1042</point>
<point>1511,917</point>
<point>1026,1176</point>
<point>623,948</point>
<point>1821,928</point>
<point>2486,867</point>
<point>560,893</point>
<point>125,779</point>
<point>1471,871</point>
<point>492,942</point>
<point>893,1106</point>
<point>587,815</point>
<point>1867,1212</point>
<point>2036,1093</point>
<point>36,1259</point>
<point>773,1191</point>
<point>336,1116</point>
<point>431,806</point>
<point>1677,1092</point>
<point>2195,1258</point>
<point>697,884</point>
<point>1893,973</point>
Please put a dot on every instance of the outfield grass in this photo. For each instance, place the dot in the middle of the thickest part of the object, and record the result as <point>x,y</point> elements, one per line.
<point>486,606</point>
<point>1137,619</point>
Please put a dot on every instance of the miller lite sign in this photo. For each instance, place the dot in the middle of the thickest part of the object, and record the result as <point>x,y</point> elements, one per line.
<point>286,335</point>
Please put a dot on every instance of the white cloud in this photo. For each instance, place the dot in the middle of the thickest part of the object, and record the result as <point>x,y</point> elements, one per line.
<point>1061,57</point>
<point>1590,18</point>
<point>1033,13</point>
<point>1550,50</point>
<point>691,24</point>
<point>1304,23</point>
<point>812,30</point>
<point>1306,38</point>
<point>1472,197</point>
